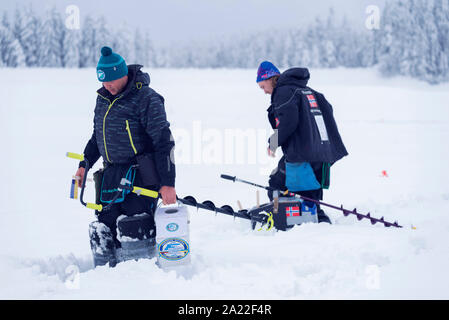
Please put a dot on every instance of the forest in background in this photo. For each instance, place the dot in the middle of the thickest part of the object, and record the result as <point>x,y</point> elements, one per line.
<point>412,39</point>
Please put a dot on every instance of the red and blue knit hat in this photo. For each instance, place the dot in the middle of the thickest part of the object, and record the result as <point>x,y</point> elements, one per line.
<point>266,71</point>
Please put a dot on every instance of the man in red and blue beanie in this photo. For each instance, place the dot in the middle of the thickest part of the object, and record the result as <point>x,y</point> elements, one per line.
<point>305,129</point>
<point>266,71</point>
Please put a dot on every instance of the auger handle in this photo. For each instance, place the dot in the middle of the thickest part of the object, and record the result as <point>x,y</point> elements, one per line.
<point>145,192</point>
<point>138,190</point>
<point>94,206</point>
<point>80,157</point>
<point>76,156</point>
<point>225,176</point>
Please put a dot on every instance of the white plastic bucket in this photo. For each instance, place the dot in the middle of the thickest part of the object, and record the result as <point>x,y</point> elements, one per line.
<point>172,236</point>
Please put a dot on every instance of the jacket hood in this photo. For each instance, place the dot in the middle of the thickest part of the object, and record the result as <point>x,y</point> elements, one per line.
<point>294,76</point>
<point>135,75</point>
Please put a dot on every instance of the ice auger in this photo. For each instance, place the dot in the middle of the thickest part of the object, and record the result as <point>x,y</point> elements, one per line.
<point>346,212</point>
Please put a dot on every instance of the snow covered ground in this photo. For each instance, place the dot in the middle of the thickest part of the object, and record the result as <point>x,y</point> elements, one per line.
<point>397,125</point>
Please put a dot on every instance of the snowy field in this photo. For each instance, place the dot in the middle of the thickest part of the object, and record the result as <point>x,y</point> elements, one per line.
<point>398,125</point>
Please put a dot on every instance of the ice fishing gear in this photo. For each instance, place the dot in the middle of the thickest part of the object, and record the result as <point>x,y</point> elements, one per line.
<point>346,212</point>
<point>172,235</point>
<point>135,234</point>
<point>255,215</point>
<point>259,214</point>
<point>124,185</point>
<point>282,213</point>
<point>290,211</point>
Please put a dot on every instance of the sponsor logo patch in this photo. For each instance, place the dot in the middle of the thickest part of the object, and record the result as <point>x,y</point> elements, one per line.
<point>101,75</point>
<point>173,249</point>
<point>172,227</point>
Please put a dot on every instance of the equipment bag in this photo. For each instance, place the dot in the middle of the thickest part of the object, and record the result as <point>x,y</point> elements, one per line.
<point>112,176</point>
<point>299,176</point>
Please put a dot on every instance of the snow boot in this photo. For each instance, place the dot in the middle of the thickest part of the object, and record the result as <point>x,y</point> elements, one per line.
<point>102,244</point>
<point>322,217</point>
<point>137,235</point>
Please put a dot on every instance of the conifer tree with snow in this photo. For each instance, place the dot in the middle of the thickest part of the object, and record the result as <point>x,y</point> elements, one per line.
<point>86,44</point>
<point>27,30</point>
<point>71,58</point>
<point>51,47</point>
<point>101,37</point>
<point>122,41</point>
<point>5,20</point>
<point>414,39</point>
<point>11,53</point>
<point>149,59</point>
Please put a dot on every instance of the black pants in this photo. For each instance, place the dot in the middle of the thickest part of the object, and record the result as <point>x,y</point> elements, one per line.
<point>132,205</point>
<point>277,181</point>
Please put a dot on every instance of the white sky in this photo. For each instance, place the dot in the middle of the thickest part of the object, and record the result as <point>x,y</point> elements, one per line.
<point>185,20</point>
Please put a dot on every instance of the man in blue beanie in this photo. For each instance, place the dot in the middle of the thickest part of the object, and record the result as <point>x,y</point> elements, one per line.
<point>305,128</point>
<point>132,135</point>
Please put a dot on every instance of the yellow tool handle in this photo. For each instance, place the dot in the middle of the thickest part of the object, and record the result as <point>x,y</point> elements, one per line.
<point>145,192</point>
<point>77,156</point>
<point>94,206</point>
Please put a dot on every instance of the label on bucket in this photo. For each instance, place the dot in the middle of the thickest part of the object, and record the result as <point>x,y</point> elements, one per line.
<point>172,227</point>
<point>173,249</point>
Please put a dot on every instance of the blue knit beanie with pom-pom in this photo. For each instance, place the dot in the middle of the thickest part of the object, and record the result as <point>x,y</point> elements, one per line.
<point>111,66</point>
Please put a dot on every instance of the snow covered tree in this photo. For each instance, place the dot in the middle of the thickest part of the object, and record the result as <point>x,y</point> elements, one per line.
<point>5,20</point>
<point>11,53</point>
<point>101,37</point>
<point>441,13</point>
<point>139,47</point>
<point>122,42</point>
<point>52,47</point>
<point>71,58</point>
<point>27,29</point>
<point>395,28</point>
<point>86,44</point>
<point>413,40</point>
<point>149,58</point>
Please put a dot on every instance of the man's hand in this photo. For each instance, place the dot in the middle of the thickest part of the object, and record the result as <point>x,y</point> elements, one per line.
<point>80,174</point>
<point>168,195</point>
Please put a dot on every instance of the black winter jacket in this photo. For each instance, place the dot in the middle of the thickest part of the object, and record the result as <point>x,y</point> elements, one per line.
<point>132,123</point>
<point>303,121</point>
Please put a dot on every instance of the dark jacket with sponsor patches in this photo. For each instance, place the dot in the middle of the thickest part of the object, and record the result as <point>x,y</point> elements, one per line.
<point>132,123</point>
<point>303,120</point>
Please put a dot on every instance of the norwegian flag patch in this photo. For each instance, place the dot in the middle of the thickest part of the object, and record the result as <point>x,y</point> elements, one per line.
<point>292,212</point>
<point>277,122</point>
<point>312,101</point>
